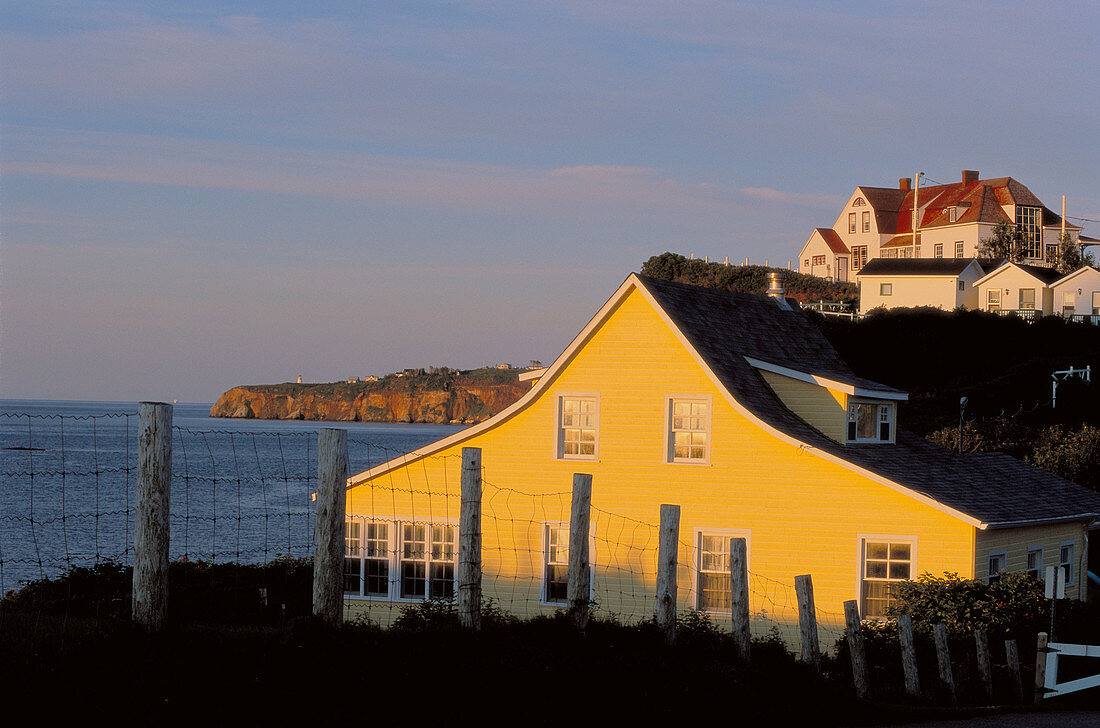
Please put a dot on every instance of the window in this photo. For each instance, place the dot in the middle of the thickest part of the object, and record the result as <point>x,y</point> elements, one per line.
<point>916,251</point>
<point>819,260</point>
<point>556,579</point>
<point>367,554</point>
<point>688,427</point>
<point>993,299</point>
<point>937,250</point>
<point>851,222</point>
<point>905,253</point>
<point>421,566</point>
<point>997,561</point>
<point>866,222</point>
<point>1052,253</point>
<point>555,589</point>
<point>952,214</point>
<point>885,562</point>
<point>885,289</point>
<point>1095,303</point>
<point>712,586</point>
<point>806,263</point>
<point>1035,561</point>
<point>858,202</point>
<point>578,424</point>
<point>959,249</point>
<point>1065,562</point>
<point>890,253</point>
<point>962,285</point>
<point>870,422</point>
<point>1029,221</point>
<point>859,256</point>
<point>1027,298</point>
<point>427,561</point>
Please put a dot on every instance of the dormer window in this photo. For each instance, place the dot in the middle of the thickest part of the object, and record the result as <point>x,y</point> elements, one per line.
<point>952,214</point>
<point>870,422</point>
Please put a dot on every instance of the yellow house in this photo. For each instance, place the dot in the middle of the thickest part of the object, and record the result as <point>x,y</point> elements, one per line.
<point>737,409</point>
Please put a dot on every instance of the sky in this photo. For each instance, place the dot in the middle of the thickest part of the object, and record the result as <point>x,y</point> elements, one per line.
<point>200,195</point>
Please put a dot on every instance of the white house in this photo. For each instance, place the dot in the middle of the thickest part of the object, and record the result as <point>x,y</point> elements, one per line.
<point>951,221</point>
<point>1078,294</point>
<point>1018,287</point>
<point>897,283</point>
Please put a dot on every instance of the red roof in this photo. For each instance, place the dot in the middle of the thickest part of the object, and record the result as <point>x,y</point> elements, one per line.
<point>977,201</point>
<point>833,241</point>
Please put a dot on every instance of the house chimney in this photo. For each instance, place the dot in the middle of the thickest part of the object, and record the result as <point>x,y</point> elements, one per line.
<point>970,176</point>
<point>776,291</point>
<point>904,183</point>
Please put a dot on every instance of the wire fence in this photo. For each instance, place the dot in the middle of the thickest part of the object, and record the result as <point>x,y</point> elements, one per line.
<point>68,483</point>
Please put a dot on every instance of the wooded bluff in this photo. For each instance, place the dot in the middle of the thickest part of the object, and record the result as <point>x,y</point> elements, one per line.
<point>435,396</point>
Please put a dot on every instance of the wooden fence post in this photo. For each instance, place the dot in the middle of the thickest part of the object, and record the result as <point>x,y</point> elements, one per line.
<point>149,603</point>
<point>943,661</point>
<point>579,589</point>
<point>807,620</point>
<point>328,527</point>
<point>469,541</point>
<point>985,669</point>
<point>739,598</point>
<point>667,546</point>
<point>1040,668</point>
<point>908,655</point>
<point>855,647</point>
<point>1012,654</point>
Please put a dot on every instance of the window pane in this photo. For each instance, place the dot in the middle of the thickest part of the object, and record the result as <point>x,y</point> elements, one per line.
<point>866,414</point>
<point>443,580</point>
<point>414,583</point>
<point>877,550</point>
<point>900,551</point>
<point>714,592</point>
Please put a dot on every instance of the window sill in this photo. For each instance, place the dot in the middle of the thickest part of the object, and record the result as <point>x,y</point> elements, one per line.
<point>576,460</point>
<point>696,463</point>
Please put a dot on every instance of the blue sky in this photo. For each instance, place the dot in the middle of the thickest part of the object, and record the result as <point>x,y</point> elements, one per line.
<point>199,195</point>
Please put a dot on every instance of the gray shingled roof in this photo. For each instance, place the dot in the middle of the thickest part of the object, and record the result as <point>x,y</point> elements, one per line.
<point>915,266</point>
<point>725,327</point>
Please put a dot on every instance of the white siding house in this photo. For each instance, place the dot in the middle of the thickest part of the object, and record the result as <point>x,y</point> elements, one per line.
<point>897,283</point>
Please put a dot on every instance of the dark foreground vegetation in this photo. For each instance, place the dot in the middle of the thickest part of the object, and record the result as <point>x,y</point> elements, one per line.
<point>227,654</point>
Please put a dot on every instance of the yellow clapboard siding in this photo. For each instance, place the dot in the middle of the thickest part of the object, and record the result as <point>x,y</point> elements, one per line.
<point>805,515</point>
<point>1015,542</point>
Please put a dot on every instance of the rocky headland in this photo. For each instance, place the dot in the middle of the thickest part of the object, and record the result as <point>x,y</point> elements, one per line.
<point>436,396</point>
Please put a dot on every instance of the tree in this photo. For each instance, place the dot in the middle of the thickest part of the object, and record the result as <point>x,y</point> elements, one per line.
<point>1070,256</point>
<point>1008,241</point>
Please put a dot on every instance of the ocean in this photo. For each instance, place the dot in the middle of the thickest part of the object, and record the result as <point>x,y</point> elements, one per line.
<point>240,488</point>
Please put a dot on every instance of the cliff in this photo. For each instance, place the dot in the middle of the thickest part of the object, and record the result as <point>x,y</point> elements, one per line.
<point>439,397</point>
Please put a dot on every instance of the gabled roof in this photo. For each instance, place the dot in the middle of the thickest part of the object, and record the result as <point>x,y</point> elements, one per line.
<point>917,266</point>
<point>733,336</point>
<point>1043,275</point>
<point>1083,270</point>
<point>832,239</point>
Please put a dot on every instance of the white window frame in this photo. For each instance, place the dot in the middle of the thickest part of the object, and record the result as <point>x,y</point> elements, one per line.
<point>885,412</point>
<point>670,439</point>
<point>1029,307</point>
<point>1068,567</point>
<point>993,299</point>
<point>937,250</point>
<point>559,428</point>
<point>1001,559</point>
<point>885,289</point>
<point>959,249</point>
<point>891,539</point>
<point>544,582</point>
<point>1038,571</point>
<point>360,554</point>
<point>697,561</point>
<point>395,541</point>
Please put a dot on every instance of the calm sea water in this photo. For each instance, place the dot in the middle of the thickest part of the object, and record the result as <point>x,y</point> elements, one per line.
<point>240,488</point>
